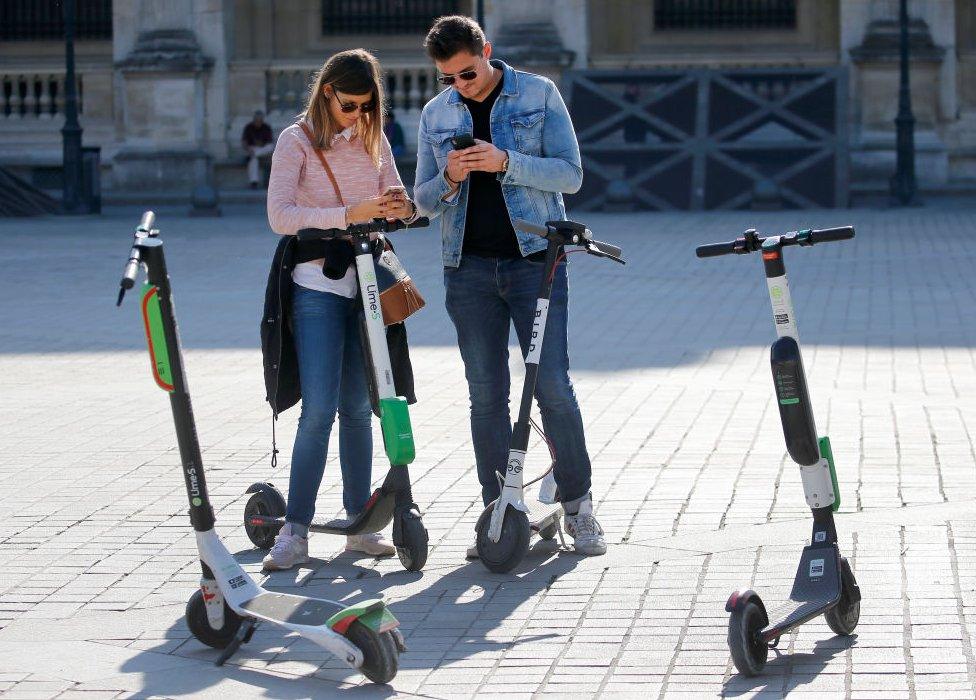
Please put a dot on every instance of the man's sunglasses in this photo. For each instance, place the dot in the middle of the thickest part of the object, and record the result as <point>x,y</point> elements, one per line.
<point>349,107</point>
<point>464,75</point>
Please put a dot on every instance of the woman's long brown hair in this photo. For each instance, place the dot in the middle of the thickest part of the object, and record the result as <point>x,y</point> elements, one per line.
<point>353,72</point>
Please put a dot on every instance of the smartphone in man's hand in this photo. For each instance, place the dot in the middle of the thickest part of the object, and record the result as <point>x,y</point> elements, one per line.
<point>462,141</point>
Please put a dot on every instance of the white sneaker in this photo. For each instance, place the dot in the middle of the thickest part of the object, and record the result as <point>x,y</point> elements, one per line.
<point>372,543</point>
<point>585,530</point>
<point>288,550</point>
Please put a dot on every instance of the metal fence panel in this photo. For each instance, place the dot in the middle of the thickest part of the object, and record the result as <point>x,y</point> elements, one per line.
<point>710,139</point>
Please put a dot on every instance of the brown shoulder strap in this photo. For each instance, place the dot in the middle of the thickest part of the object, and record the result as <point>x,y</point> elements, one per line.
<point>322,160</point>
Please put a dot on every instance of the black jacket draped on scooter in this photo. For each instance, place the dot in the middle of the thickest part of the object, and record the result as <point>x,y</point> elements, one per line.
<point>281,380</point>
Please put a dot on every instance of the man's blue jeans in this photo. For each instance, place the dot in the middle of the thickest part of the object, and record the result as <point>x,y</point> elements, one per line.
<point>333,377</point>
<point>484,296</point>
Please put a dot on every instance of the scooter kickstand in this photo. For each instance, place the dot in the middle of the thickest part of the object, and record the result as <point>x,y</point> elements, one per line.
<point>243,635</point>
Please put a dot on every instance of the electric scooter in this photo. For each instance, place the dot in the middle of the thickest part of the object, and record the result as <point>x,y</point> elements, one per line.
<point>264,513</point>
<point>223,612</point>
<point>824,583</point>
<point>504,529</point>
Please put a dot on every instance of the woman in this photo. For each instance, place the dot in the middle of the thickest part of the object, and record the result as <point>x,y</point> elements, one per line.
<point>342,119</point>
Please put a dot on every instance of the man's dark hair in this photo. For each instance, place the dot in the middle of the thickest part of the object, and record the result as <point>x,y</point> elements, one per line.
<point>452,34</point>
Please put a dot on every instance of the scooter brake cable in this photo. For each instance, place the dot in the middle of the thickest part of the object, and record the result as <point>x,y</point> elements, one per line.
<point>552,451</point>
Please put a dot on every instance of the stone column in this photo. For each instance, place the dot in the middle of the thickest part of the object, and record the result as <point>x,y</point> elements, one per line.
<point>171,71</point>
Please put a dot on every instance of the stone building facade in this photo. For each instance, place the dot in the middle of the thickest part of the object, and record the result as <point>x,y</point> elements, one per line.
<point>167,85</point>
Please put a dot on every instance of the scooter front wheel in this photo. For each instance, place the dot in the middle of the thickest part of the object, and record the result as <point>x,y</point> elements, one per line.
<point>199,623</point>
<point>748,650</point>
<point>505,554</point>
<point>412,548</point>
<point>843,617</point>
<point>381,658</point>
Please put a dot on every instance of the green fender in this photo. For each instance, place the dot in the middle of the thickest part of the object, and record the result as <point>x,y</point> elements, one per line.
<point>372,613</point>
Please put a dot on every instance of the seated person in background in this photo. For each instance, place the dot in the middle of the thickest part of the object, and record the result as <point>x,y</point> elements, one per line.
<point>257,141</point>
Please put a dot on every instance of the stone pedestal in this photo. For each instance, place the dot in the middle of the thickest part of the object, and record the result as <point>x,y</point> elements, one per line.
<point>876,80</point>
<point>163,117</point>
<point>545,38</point>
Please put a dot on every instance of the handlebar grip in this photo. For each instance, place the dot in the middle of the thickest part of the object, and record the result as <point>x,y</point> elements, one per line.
<point>131,270</point>
<point>712,250</point>
<point>528,227</point>
<point>606,248</point>
<point>318,234</point>
<point>148,219</point>
<point>841,233</point>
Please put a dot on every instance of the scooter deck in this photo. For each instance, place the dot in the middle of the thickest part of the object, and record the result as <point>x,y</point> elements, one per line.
<point>816,588</point>
<point>293,609</point>
<point>373,519</point>
<point>544,514</point>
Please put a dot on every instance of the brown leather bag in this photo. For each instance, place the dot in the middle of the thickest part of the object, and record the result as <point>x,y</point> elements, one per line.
<point>399,296</point>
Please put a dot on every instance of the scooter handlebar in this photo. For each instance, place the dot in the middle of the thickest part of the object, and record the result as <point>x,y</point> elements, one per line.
<point>583,237</point>
<point>143,230</point>
<point>374,226</point>
<point>750,242</point>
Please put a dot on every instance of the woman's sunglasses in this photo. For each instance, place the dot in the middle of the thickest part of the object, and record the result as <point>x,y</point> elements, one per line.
<point>350,107</point>
<point>464,75</point>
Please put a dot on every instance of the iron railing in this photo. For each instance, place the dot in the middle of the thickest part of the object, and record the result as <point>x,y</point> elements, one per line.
<point>38,20</point>
<point>724,14</point>
<point>383,16</point>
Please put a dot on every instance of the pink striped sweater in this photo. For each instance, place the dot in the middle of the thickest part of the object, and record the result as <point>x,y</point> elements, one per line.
<point>299,192</point>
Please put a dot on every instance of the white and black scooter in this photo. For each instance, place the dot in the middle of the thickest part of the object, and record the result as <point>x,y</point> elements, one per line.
<point>223,612</point>
<point>824,583</point>
<point>504,528</point>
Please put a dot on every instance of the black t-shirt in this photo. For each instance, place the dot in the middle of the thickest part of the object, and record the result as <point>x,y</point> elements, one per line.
<point>488,231</point>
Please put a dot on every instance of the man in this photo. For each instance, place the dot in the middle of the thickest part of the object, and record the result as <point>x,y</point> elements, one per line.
<point>257,141</point>
<point>525,155</point>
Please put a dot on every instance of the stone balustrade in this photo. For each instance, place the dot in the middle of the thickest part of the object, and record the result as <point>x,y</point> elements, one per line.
<point>34,94</point>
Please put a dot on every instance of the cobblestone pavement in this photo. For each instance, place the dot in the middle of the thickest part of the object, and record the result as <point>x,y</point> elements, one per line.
<point>691,479</point>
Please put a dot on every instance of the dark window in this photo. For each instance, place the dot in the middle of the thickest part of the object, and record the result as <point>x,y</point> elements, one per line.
<point>724,14</point>
<point>383,16</point>
<point>31,20</point>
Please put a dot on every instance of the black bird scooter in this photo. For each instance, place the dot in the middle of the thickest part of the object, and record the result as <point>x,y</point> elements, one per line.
<point>824,583</point>
<point>504,528</point>
<point>223,612</point>
<point>264,513</point>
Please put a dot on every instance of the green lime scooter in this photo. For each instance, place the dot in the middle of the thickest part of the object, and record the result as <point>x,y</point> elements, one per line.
<point>223,612</point>
<point>264,513</point>
<point>824,583</point>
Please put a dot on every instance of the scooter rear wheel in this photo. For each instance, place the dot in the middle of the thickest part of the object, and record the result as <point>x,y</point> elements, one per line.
<point>263,503</point>
<point>413,536</point>
<point>504,555</point>
<point>748,650</point>
<point>381,658</point>
<point>843,617</point>
<point>199,623</point>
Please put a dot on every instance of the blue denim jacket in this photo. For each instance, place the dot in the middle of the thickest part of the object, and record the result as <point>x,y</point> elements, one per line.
<point>529,120</point>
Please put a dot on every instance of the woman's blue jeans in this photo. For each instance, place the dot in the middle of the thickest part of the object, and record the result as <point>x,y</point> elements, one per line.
<point>333,377</point>
<point>485,297</point>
